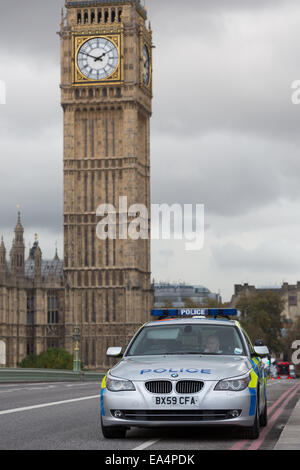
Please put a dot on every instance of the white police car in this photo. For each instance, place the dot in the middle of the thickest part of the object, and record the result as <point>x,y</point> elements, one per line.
<point>191,367</point>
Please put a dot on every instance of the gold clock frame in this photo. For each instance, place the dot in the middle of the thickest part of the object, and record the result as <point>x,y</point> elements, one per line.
<point>116,77</point>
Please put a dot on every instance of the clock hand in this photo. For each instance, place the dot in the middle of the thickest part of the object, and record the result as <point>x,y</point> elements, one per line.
<point>85,53</point>
<point>102,55</point>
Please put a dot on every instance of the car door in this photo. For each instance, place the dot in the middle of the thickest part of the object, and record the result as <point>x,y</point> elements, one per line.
<point>258,367</point>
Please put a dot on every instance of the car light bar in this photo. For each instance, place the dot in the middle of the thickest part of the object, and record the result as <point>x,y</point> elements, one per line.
<point>191,312</point>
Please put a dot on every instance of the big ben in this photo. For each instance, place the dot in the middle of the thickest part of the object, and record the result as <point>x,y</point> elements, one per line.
<point>106,96</point>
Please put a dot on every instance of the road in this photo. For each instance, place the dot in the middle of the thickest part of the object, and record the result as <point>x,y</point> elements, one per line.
<point>65,416</point>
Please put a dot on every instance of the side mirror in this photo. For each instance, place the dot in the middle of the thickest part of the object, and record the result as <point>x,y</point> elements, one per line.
<point>261,350</point>
<point>114,352</point>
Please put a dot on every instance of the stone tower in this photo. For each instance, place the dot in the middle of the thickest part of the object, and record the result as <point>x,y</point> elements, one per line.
<point>106,95</point>
<point>17,253</point>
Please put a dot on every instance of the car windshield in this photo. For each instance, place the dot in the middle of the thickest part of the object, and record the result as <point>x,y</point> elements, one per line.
<point>177,339</point>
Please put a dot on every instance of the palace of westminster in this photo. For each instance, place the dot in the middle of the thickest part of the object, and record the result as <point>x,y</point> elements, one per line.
<point>102,286</point>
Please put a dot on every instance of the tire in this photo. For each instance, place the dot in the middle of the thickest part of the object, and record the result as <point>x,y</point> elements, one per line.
<point>263,420</point>
<point>113,432</point>
<point>252,432</point>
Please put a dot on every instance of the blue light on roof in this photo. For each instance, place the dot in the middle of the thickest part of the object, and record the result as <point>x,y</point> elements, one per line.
<point>191,312</point>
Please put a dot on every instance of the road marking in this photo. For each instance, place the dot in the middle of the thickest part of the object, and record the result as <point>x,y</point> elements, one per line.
<point>146,444</point>
<point>275,416</point>
<point>45,405</point>
<point>239,445</point>
<point>26,388</point>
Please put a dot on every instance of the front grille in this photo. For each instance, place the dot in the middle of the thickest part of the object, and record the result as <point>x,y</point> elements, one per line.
<point>176,415</point>
<point>159,386</point>
<point>189,386</point>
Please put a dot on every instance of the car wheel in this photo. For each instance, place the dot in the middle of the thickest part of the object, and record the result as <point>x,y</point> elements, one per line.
<point>252,432</point>
<point>113,432</point>
<point>263,420</point>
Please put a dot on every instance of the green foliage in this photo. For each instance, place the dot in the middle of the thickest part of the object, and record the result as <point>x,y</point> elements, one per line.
<point>167,303</point>
<point>261,318</point>
<point>51,359</point>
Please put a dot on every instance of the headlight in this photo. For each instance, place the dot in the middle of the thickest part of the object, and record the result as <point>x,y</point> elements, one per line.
<point>233,385</point>
<point>119,385</point>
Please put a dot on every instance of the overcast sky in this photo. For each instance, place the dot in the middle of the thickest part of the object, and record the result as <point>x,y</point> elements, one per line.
<point>225,133</point>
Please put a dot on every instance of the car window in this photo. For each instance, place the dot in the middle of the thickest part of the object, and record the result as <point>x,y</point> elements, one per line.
<point>187,339</point>
<point>248,341</point>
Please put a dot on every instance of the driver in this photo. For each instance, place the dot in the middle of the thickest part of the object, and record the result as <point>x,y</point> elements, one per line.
<point>212,344</point>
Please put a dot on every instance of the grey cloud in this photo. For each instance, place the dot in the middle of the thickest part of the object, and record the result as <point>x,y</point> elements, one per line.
<point>29,27</point>
<point>269,257</point>
<point>229,174</point>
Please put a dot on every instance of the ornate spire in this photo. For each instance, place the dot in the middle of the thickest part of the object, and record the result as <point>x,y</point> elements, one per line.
<point>17,253</point>
<point>19,229</point>
<point>2,252</point>
<point>37,259</point>
<point>2,246</point>
<point>56,257</point>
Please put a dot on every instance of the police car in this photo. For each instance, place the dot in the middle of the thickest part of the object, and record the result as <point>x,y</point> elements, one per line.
<point>190,367</point>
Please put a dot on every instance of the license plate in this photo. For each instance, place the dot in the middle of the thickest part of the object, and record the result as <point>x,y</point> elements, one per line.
<point>175,401</point>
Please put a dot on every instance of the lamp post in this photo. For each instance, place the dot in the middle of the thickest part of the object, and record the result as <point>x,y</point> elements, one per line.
<point>76,339</point>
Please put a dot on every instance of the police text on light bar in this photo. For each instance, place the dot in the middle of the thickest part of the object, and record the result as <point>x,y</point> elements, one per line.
<point>189,312</point>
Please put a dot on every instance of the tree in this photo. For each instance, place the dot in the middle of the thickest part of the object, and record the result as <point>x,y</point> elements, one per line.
<point>261,318</point>
<point>167,303</point>
<point>53,358</point>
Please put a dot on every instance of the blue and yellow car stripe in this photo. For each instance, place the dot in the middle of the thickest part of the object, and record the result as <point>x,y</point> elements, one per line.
<point>103,388</point>
<point>253,392</point>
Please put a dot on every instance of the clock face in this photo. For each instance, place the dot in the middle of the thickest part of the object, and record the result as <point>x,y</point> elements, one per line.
<point>146,65</point>
<point>97,58</point>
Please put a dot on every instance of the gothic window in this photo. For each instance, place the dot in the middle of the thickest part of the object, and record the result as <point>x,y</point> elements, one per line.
<point>86,247</point>
<point>106,16</point>
<point>114,305</point>
<point>30,308</point>
<point>107,306</point>
<point>120,15</point>
<point>113,15</point>
<point>99,16</point>
<point>93,260</point>
<point>53,307</point>
<point>93,307</point>
<point>293,301</point>
<point>86,17</point>
<point>93,353</point>
<point>86,353</point>
<point>29,348</point>
<point>92,138</point>
<point>92,16</point>
<point>87,306</point>
<point>79,17</point>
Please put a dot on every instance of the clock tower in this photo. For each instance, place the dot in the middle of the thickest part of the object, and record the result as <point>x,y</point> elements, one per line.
<point>106,95</point>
